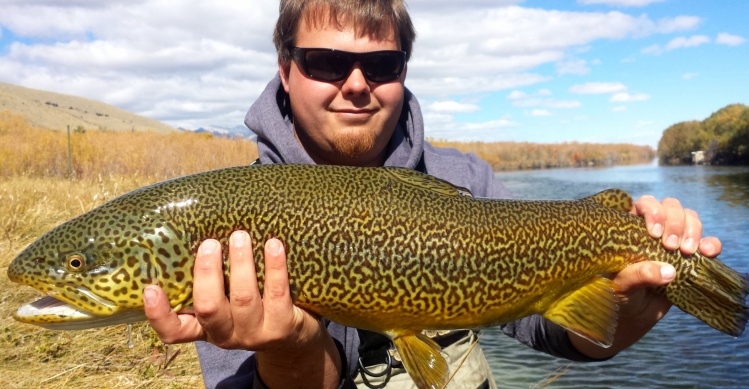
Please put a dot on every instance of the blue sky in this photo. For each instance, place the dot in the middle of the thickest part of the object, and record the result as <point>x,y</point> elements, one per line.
<point>492,70</point>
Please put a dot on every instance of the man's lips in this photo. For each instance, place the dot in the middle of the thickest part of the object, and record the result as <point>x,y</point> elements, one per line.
<point>355,114</point>
<point>355,111</point>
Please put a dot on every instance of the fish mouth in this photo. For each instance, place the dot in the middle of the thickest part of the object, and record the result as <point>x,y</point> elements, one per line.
<point>59,312</point>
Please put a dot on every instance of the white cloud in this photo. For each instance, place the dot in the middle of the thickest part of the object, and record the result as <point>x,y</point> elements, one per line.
<point>517,95</point>
<point>677,43</point>
<point>512,40</point>
<point>689,76</point>
<point>540,113</point>
<point>729,40</point>
<point>573,66</point>
<point>486,131</point>
<point>692,41</point>
<point>590,88</point>
<point>449,106</point>
<point>621,3</point>
<point>652,50</point>
<point>540,99</point>
<point>676,24</point>
<point>194,63</point>
<point>626,97</point>
<point>441,87</point>
<point>547,103</point>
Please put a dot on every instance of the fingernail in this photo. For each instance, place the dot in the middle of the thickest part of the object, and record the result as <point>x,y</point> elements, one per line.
<point>688,244</point>
<point>707,247</point>
<point>274,246</point>
<point>149,296</point>
<point>668,272</point>
<point>239,238</point>
<point>672,242</point>
<point>208,246</point>
<point>657,230</point>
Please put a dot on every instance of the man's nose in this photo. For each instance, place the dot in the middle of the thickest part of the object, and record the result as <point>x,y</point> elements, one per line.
<point>355,83</point>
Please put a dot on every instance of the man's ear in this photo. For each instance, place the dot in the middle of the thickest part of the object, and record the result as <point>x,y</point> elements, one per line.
<point>284,69</point>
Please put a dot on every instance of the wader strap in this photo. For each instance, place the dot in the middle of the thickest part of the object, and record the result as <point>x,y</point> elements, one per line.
<point>373,350</point>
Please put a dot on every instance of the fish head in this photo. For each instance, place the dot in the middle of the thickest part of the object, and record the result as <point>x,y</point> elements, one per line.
<point>94,268</point>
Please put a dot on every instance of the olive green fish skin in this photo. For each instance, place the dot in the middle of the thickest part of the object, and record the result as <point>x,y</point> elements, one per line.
<point>384,249</point>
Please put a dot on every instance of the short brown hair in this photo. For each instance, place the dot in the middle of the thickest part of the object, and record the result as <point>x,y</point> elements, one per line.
<point>373,18</point>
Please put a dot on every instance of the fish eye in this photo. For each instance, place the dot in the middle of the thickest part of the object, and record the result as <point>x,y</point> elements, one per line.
<point>75,262</point>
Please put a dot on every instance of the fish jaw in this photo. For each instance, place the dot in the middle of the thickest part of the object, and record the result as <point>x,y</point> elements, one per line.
<point>51,313</point>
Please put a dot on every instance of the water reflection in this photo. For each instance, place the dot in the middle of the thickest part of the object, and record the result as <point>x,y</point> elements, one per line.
<point>681,351</point>
<point>735,187</point>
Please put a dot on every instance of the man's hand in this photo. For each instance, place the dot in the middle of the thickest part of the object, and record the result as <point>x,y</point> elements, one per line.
<point>284,336</point>
<point>639,307</point>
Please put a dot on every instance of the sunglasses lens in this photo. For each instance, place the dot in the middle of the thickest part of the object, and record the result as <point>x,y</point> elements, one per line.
<point>335,65</point>
<point>327,65</point>
<point>383,66</point>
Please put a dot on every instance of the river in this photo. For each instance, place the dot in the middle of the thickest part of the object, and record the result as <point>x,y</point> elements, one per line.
<point>681,351</point>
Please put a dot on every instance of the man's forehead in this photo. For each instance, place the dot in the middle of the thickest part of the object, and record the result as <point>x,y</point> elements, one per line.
<point>322,17</point>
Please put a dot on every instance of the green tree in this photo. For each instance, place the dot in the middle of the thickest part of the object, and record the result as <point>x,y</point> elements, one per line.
<point>679,141</point>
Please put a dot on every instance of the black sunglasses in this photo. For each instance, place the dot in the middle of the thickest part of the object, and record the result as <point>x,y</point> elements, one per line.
<point>332,65</point>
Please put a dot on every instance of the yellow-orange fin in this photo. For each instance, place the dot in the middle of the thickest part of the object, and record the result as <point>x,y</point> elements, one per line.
<point>422,360</point>
<point>612,198</point>
<point>590,311</point>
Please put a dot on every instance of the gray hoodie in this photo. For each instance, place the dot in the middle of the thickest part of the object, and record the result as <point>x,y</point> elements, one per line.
<point>270,118</point>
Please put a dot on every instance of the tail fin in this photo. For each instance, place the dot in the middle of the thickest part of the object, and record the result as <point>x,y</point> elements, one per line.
<point>709,290</point>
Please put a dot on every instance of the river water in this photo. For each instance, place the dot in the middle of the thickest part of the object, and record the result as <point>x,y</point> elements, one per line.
<point>681,351</point>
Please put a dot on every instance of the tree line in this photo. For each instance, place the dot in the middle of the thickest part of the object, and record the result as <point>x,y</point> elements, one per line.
<point>723,138</point>
<point>524,155</point>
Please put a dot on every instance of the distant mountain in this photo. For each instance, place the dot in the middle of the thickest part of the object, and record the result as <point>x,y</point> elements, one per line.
<point>57,111</point>
<point>239,131</point>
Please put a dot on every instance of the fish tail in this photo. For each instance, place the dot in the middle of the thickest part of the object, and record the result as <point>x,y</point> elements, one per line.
<point>711,291</point>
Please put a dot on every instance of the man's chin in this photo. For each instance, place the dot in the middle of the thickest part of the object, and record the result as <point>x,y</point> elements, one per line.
<point>354,144</point>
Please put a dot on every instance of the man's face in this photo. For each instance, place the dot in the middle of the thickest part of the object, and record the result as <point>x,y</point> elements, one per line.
<point>348,122</point>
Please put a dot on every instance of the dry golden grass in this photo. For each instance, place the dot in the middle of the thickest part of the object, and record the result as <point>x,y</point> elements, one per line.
<point>34,357</point>
<point>35,195</point>
<point>523,155</point>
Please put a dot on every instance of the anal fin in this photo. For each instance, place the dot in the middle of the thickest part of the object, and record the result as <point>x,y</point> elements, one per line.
<point>422,360</point>
<point>590,311</point>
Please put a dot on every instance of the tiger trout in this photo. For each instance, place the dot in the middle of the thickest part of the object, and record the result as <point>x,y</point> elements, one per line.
<point>384,249</point>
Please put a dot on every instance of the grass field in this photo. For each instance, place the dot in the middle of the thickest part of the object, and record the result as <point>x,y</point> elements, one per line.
<point>36,195</point>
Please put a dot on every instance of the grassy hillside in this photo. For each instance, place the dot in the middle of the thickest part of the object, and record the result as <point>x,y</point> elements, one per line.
<point>57,111</point>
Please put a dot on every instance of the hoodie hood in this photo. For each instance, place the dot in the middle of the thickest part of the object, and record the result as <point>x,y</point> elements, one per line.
<point>271,119</point>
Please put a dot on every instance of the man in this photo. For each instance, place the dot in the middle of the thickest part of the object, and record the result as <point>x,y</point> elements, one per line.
<point>350,107</point>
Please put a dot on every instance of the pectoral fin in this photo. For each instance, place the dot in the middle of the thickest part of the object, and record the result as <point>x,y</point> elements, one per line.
<point>423,361</point>
<point>590,311</point>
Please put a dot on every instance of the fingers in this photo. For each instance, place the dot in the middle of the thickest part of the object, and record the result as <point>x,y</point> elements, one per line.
<point>211,307</point>
<point>244,296</point>
<point>675,226</point>
<point>710,246</point>
<point>170,327</point>
<point>245,319</point>
<point>278,308</point>
<point>644,274</point>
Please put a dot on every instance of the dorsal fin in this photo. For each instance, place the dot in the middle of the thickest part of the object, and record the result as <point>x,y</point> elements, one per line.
<point>427,182</point>
<point>612,198</point>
